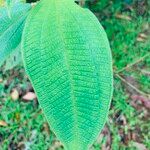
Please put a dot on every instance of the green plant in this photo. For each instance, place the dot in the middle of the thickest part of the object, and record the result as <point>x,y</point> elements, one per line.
<point>11,29</point>
<point>67,57</point>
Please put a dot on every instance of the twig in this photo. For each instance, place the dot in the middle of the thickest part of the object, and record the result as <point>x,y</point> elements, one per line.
<point>132,86</point>
<point>145,72</point>
<point>132,64</point>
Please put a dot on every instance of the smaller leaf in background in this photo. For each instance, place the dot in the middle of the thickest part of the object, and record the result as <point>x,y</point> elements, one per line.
<point>29,96</point>
<point>3,123</point>
<point>14,59</point>
<point>9,5</point>
<point>124,17</point>
<point>14,95</point>
<point>11,29</point>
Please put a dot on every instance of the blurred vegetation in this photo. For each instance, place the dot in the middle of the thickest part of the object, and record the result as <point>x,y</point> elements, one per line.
<point>127,23</point>
<point>1,2</point>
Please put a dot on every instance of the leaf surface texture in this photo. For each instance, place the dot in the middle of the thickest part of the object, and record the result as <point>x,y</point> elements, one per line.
<point>11,28</point>
<point>68,60</point>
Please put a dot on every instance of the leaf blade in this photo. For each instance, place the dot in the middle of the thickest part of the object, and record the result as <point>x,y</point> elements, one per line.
<point>75,74</point>
<point>11,29</point>
<point>13,59</point>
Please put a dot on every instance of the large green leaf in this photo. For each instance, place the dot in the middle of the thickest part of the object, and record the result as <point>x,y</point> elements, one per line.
<point>68,60</point>
<point>11,28</point>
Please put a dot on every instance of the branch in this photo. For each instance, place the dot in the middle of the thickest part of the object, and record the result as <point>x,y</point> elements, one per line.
<point>132,64</point>
<point>132,86</point>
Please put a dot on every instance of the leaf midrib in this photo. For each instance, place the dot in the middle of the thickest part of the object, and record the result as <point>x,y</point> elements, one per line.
<point>76,130</point>
<point>91,52</point>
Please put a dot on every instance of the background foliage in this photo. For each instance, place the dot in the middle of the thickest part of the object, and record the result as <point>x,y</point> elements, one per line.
<point>127,23</point>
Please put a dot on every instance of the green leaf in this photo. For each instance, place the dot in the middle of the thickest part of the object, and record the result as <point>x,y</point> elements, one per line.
<point>9,4</point>
<point>11,29</point>
<point>68,60</point>
<point>14,59</point>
